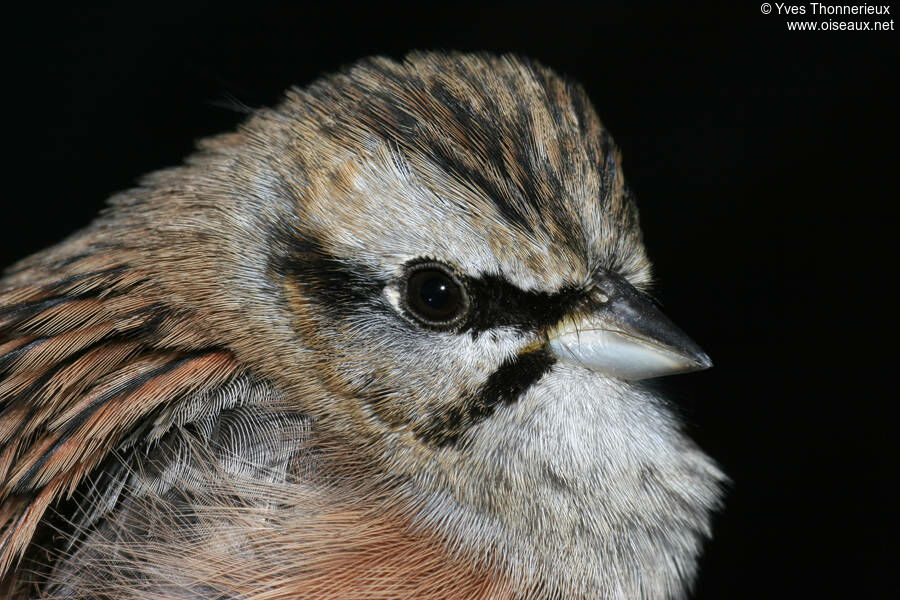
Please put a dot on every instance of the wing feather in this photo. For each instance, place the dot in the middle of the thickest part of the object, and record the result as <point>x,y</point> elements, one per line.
<point>87,356</point>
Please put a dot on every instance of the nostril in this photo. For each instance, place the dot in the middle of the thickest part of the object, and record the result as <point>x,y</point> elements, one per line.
<point>601,292</point>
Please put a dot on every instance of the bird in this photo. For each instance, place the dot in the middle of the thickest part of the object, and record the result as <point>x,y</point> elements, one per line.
<point>389,338</point>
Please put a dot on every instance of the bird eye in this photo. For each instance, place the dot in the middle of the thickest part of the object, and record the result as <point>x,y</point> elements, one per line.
<point>433,295</point>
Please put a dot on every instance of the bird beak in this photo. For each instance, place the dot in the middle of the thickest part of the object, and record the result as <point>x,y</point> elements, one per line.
<point>626,337</point>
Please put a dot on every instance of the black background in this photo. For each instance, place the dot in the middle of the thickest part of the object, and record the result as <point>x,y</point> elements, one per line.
<point>765,166</point>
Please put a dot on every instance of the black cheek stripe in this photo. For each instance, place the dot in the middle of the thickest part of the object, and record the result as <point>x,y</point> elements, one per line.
<point>503,387</point>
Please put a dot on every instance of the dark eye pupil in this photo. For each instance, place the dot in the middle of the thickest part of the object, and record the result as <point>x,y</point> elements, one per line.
<point>435,292</point>
<point>434,296</point>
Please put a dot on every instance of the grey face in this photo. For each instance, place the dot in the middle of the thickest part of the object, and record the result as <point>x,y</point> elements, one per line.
<point>495,182</point>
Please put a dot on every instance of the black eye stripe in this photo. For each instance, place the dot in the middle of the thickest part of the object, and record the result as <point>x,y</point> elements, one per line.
<point>338,286</point>
<point>499,303</point>
<point>342,287</point>
<point>493,302</point>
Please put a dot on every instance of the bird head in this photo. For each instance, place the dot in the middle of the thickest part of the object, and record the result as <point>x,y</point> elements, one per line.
<point>439,263</point>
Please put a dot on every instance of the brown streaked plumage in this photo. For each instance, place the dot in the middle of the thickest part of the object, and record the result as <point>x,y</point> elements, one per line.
<point>380,342</point>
